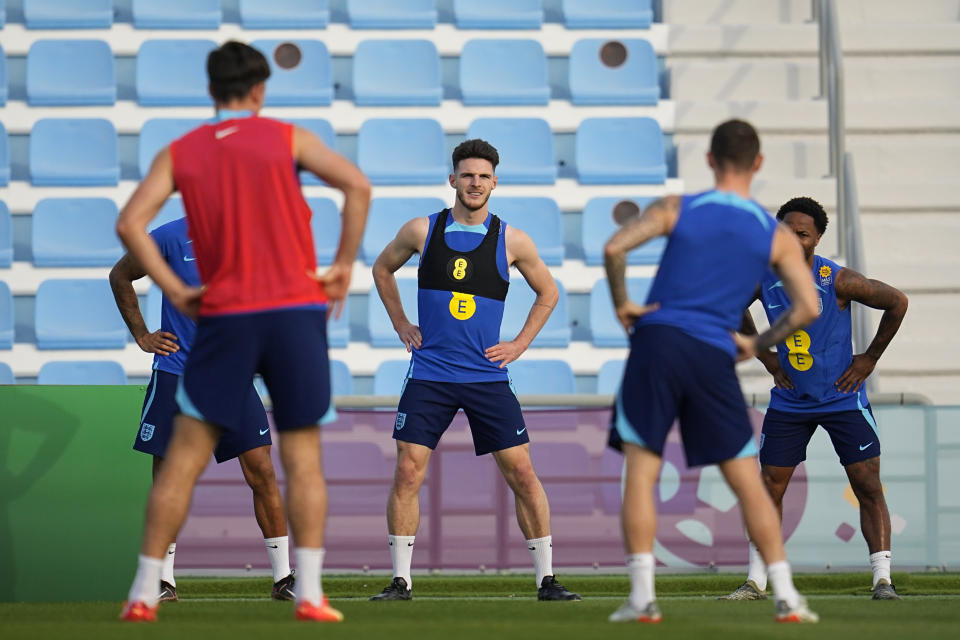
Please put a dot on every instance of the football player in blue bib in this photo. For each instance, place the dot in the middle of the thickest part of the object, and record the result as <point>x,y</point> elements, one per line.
<point>819,381</point>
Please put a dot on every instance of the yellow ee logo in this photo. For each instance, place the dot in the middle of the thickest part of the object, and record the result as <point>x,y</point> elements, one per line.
<point>462,305</point>
<point>459,268</point>
<point>799,347</point>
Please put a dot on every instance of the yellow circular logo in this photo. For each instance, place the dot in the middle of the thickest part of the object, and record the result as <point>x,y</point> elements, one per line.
<point>459,269</point>
<point>462,305</point>
<point>825,271</point>
<point>799,347</point>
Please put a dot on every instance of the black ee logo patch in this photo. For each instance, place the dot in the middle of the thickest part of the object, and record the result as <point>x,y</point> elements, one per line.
<point>459,269</point>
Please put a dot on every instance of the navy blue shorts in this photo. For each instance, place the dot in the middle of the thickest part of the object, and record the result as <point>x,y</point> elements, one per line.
<point>783,442</point>
<point>426,409</point>
<point>288,347</point>
<point>670,375</point>
<point>160,407</point>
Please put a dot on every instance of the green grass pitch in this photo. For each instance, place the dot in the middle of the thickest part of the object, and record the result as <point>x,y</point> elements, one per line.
<point>505,607</point>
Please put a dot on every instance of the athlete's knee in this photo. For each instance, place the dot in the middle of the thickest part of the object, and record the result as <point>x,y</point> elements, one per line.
<point>409,475</point>
<point>522,478</point>
<point>775,481</point>
<point>865,481</point>
<point>259,472</point>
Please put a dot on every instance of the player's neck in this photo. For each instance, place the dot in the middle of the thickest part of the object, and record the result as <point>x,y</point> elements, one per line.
<point>241,104</point>
<point>810,260</point>
<point>735,182</point>
<point>468,217</point>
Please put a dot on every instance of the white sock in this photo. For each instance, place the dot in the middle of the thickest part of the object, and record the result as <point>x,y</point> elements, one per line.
<point>541,550</point>
<point>167,574</point>
<point>308,587</point>
<point>781,579</point>
<point>640,567</point>
<point>401,555</point>
<point>146,584</point>
<point>278,550</point>
<point>758,570</point>
<point>880,562</point>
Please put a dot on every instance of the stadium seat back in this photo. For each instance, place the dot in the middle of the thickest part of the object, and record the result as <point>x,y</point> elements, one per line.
<point>525,146</point>
<point>6,316</point>
<point>75,232</point>
<point>620,151</point>
<point>3,77</point>
<point>392,14</point>
<point>539,218</point>
<point>71,72</point>
<point>610,375</point>
<point>170,211</point>
<point>81,372</point>
<point>153,314</point>
<point>4,157</point>
<point>341,382</point>
<point>390,377</point>
<point>408,151</point>
<point>173,73</point>
<point>176,14</point>
<point>325,227</point>
<point>323,130</point>
<point>284,14</point>
<point>607,14</point>
<point>605,329</point>
<point>6,236</point>
<point>594,81</point>
<point>498,14</point>
<point>504,72</point>
<point>338,329</point>
<point>396,73</point>
<point>78,314</point>
<point>381,329</point>
<point>6,374</point>
<point>541,377</point>
<point>157,133</point>
<point>68,14</point>
<point>520,298</point>
<point>74,152</point>
<point>309,83</point>
<point>386,217</point>
<point>599,225</point>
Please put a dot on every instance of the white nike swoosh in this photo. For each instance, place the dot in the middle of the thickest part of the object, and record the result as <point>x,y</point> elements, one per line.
<point>263,431</point>
<point>220,134</point>
<point>186,259</point>
<point>520,431</point>
<point>866,446</point>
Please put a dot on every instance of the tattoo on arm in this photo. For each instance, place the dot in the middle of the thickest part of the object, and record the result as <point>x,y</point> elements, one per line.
<point>778,331</point>
<point>121,282</point>
<point>852,286</point>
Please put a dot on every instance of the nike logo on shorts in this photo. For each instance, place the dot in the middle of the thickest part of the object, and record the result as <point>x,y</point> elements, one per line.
<point>263,431</point>
<point>188,259</point>
<point>773,306</point>
<point>220,134</point>
<point>520,431</point>
<point>866,445</point>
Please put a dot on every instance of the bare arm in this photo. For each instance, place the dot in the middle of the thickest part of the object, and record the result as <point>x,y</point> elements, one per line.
<point>121,282</point>
<point>658,219</point>
<point>768,358</point>
<point>409,240</point>
<point>852,286</point>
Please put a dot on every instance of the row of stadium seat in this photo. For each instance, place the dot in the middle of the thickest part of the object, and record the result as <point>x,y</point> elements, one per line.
<point>315,14</point>
<point>390,151</point>
<point>385,73</point>
<point>79,313</point>
<point>79,232</point>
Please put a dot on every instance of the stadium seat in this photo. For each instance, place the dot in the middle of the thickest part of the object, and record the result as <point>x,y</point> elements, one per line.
<point>157,133</point>
<point>78,314</point>
<point>284,14</point>
<point>70,72</point>
<point>520,297</point>
<point>620,151</point>
<point>341,382</point>
<point>153,313</point>
<point>3,77</point>
<point>409,151</point>
<point>605,329</point>
<point>173,73</point>
<point>610,375</point>
<point>4,157</point>
<point>598,225</point>
<point>503,72</point>
<point>3,14</point>
<point>6,236</point>
<point>309,83</point>
<point>386,217</point>
<point>565,460</point>
<point>74,152</point>
<point>498,14</point>
<point>392,14</point>
<point>170,211</point>
<point>598,75</point>
<point>75,232</point>
<point>325,227</point>
<point>390,377</point>
<point>338,329</point>
<point>323,130</point>
<point>176,14</point>
<point>68,14</point>
<point>6,374</point>
<point>396,73</point>
<point>82,372</point>
<point>525,146</point>
<point>381,329</point>
<point>607,14</point>
<point>541,377</point>
<point>540,218</point>
<point>6,316</point>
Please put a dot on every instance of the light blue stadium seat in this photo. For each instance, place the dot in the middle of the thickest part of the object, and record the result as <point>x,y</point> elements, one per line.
<point>75,232</point>
<point>341,382</point>
<point>381,329</point>
<point>82,372</point>
<point>633,81</point>
<point>540,218</point>
<point>173,73</point>
<point>516,308</point>
<point>386,217</point>
<point>78,314</point>
<point>525,146</point>
<point>309,83</point>
<point>607,14</point>
<point>3,14</point>
<point>396,73</point>
<point>68,14</point>
<point>3,78</point>
<point>323,130</point>
<point>605,329</point>
<point>498,14</point>
<point>598,225</point>
<point>402,151</point>
<point>170,211</point>
<point>153,314</point>
<point>176,14</point>
<point>6,236</point>
<point>157,133</point>
<point>325,227</point>
<point>284,14</point>
<point>610,375</point>
<point>620,151</point>
<point>74,152</point>
<point>390,377</point>
<point>338,329</point>
<point>4,157</point>
<point>6,373</point>
<point>392,14</point>
<point>6,316</point>
<point>504,72</point>
<point>541,377</point>
<point>70,72</point>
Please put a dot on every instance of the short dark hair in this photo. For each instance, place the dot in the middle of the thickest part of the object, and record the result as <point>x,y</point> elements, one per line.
<point>734,145</point>
<point>808,206</point>
<point>475,148</point>
<point>234,69</point>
